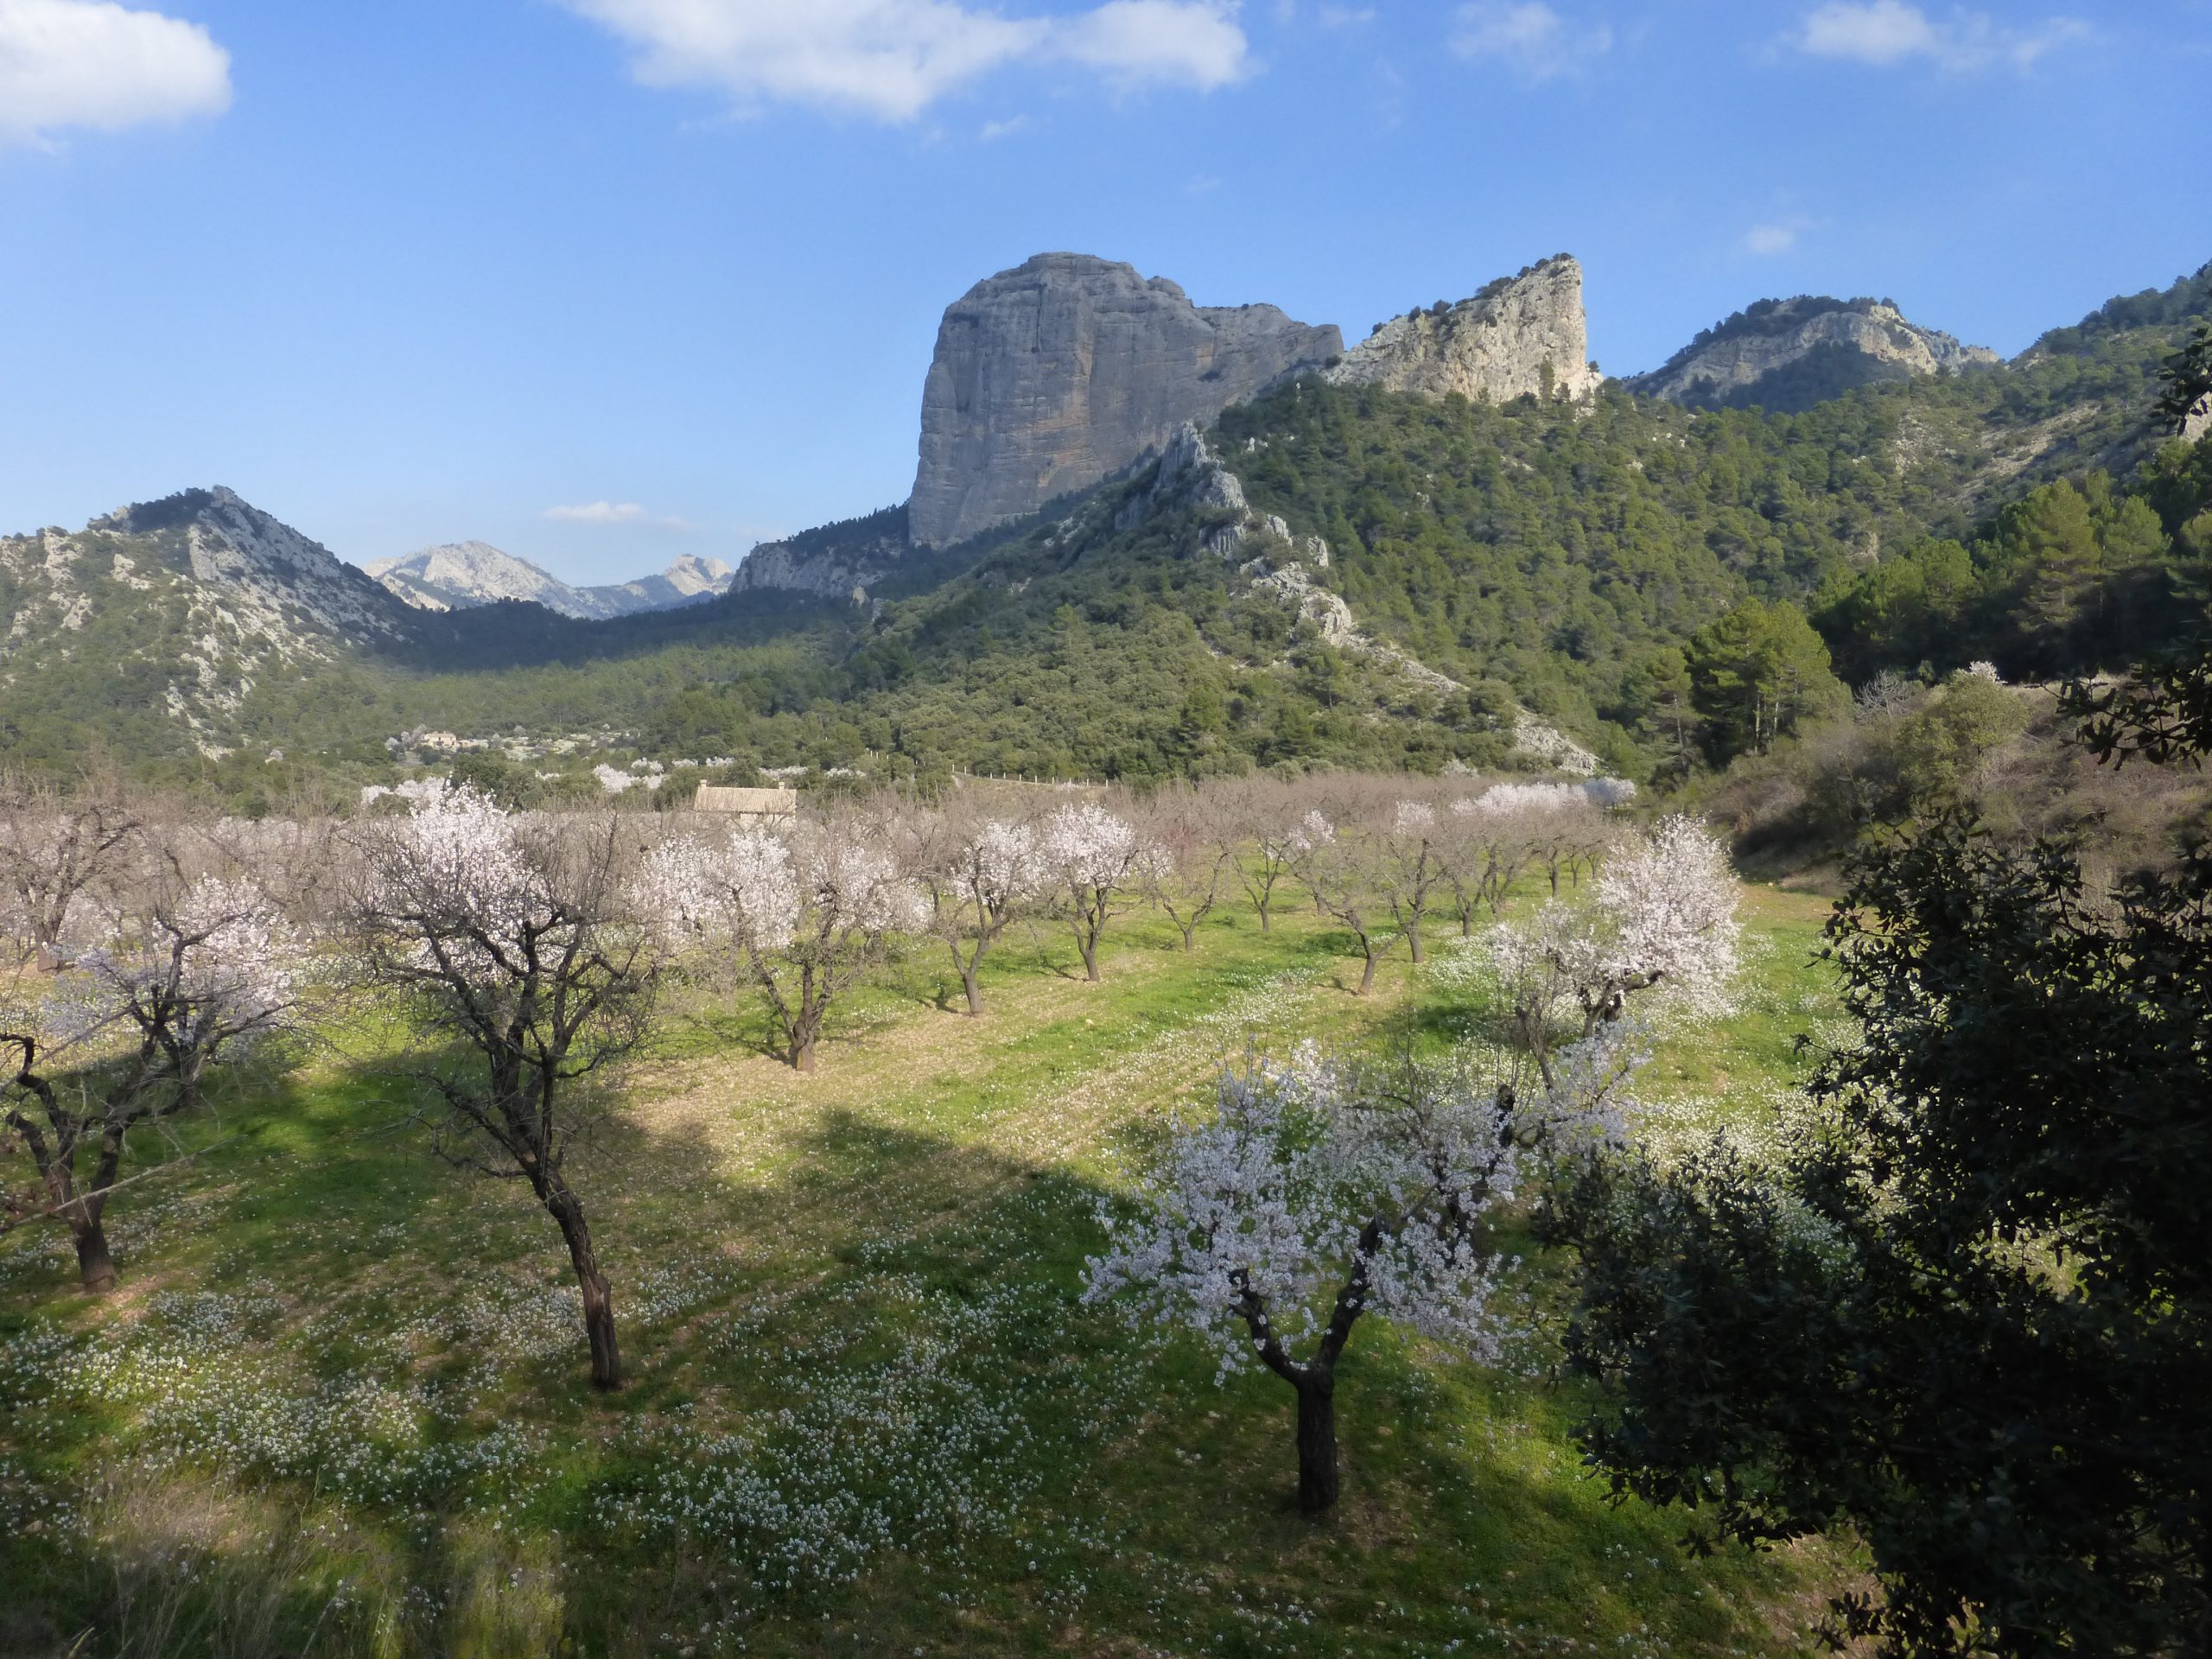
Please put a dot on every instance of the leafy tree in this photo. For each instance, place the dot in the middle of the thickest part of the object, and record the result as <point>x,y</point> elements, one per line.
<point>1756,675</point>
<point>1967,1314</point>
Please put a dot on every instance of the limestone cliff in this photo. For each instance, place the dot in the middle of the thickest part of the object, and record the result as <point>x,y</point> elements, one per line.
<point>1062,372</point>
<point>1523,334</point>
<point>1788,355</point>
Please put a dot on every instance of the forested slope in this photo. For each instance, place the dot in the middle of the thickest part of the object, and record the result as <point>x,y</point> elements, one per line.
<point>1633,571</point>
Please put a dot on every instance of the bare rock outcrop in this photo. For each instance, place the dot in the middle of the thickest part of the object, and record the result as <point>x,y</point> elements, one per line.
<point>1525,334</point>
<point>840,560</point>
<point>1788,355</point>
<point>1055,376</point>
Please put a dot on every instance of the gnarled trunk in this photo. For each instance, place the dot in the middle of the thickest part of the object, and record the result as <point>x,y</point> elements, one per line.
<point>1317,1440</point>
<point>969,983</point>
<point>598,1297</point>
<point>1367,972</point>
<point>1412,939</point>
<point>95,1267</point>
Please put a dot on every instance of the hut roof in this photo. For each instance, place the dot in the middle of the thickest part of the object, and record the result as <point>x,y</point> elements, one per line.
<point>752,802</point>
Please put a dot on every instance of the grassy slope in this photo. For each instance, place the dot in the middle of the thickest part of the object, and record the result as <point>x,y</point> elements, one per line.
<point>868,1414</point>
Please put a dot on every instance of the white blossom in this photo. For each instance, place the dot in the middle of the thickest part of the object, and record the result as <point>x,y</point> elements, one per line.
<point>1086,846</point>
<point>1659,923</point>
<point>1313,1194</point>
<point>218,967</point>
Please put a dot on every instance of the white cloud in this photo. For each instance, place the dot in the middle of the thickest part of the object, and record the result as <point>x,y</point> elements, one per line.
<point>1529,38</point>
<point>1769,240</point>
<point>1885,32</point>
<point>892,59</point>
<point>599,512</point>
<point>85,63</point>
<point>995,130</point>
<point>1176,43</point>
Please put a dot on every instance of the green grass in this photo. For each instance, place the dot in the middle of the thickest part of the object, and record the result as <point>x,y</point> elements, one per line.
<point>340,1404</point>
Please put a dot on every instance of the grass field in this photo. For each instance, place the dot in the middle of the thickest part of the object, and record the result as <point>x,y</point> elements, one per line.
<point>340,1405</point>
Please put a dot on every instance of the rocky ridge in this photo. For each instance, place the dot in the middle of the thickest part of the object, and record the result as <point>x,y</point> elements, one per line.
<point>1787,355</point>
<point>242,591</point>
<point>1284,566</point>
<point>464,573</point>
<point>1057,375</point>
<point>1522,335</point>
<point>842,561</point>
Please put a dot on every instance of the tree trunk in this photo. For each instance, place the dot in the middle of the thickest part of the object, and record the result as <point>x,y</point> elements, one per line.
<point>975,990</point>
<point>1087,942</point>
<point>1412,939</point>
<point>1316,1442</point>
<point>599,1298</point>
<point>1367,973</point>
<point>803,1055</point>
<point>95,1267</point>
<point>1265,927</point>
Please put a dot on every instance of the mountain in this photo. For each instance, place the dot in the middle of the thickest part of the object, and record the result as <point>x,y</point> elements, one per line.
<point>164,620</point>
<point>1054,376</point>
<point>1360,572</point>
<point>1788,355</point>
<point>462,573</point>
<point>1522,335</point>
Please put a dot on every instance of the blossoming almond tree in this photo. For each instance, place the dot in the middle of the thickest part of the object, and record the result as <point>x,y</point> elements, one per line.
<point>1660,918</point>
<point>54,850</point>
<point>802,914</point>
<point>510,936</point>
<point>1411,868</point>
<point>196,973</point>
<point>1342,870</point>
<point>1096,858</point>
<point>979,880</point>
<point>1194,841</point>
<point>1317,1194</point>
<point>1270,829</point>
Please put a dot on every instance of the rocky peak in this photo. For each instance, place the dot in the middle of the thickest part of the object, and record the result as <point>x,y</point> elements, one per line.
<point>1788,355</point>
<point>258,563</point>
<point>463,573</point>
<point>1522,335</point>
<point>1054,376</point>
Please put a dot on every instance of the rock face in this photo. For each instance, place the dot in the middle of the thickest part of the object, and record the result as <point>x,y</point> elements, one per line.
<point>462,573</point>
<point>1788,355</point>
<point>1523,334</point>
<point>1066,369</point>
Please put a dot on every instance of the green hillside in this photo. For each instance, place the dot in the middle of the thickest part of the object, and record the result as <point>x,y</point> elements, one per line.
<point>1579,561</point>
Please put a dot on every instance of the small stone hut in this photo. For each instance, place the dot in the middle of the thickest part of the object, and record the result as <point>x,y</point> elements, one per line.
<point>771,805</point>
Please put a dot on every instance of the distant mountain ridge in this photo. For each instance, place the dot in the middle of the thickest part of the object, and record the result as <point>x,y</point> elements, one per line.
<point>463,573</point>
<point>1787,355</point>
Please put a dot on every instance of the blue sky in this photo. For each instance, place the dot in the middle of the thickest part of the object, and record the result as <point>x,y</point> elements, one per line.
<point>605,281</point>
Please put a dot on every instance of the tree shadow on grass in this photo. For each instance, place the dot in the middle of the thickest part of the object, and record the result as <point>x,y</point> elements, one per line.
<point>895,1425</point>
